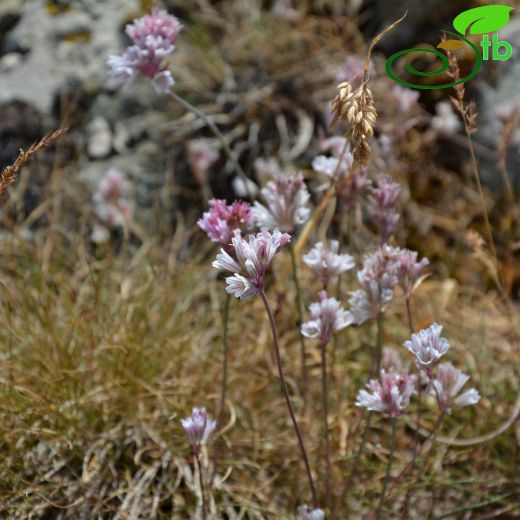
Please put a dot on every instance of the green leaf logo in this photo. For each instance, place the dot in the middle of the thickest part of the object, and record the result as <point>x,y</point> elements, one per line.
<point>480,20</point>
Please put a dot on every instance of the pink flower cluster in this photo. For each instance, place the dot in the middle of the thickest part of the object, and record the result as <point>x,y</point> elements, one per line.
<point>286,198</point>
<point>327,263</point>
<point>327,318</point>
<point>253,257</point>
<point>200,158</point>
<point>198,428</point>
<point>110,204</point>
<point>153,37</point>
<point>383,211</point>
<point>390,394</point>
<point>222,219</point>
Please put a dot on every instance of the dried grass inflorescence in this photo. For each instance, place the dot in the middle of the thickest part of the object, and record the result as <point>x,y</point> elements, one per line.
<point>356,108</point>
<point>8,175</point>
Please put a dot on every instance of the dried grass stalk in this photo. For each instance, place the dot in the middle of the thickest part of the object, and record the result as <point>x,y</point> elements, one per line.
<point>8,175</point>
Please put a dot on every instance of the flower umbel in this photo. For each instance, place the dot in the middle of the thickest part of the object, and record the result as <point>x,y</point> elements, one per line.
<point>110,203</point>
<point>199,426</point>
<point>384,214</point>
<point>377,278</point>
<point>286,197</point>
<point>327,318</point>
<point>448,383</point>
<point>390,394</point>
<point>253,257</point>
<point>328,263</point>
<point>222,219</point>
<point>153,36</point>
<point>428,347</point>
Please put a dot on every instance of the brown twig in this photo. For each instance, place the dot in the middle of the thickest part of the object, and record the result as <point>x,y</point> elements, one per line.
<point>8,175</point>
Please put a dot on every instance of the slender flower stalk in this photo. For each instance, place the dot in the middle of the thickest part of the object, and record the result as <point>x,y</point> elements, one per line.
<point>327,318</point>
<point>225,344</point>
<point>389,466</point>
<point>299,304</point>
<point>199,427</point>
<point>287,398</point>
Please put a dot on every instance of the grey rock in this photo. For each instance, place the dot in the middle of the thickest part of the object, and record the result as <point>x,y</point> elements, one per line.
<point>54,54</point>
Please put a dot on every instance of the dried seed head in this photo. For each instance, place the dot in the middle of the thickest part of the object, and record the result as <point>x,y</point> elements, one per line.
<point>356,108</point>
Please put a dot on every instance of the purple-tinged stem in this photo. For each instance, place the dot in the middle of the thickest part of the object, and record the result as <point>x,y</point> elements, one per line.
<point>288,399</point>
<point>202,487</point>
<point>225,360</point>
<point>325,406</point>
<point>299,303</point>
<point>388,467</point>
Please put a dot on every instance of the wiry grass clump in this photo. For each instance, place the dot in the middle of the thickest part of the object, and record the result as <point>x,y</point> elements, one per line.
<point>100,359</point>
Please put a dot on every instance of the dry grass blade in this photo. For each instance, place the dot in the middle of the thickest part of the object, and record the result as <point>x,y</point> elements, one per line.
<point>8,175</point>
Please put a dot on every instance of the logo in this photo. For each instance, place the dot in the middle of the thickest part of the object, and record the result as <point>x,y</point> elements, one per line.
<point>480,20</point>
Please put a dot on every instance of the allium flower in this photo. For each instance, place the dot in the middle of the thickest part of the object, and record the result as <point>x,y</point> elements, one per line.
<point>352,189</point>
<point>222,219</point>
<point>382,209</point>
<point>390,394</point>
<point>445,120</point>
<point>153,37</point>
<point>327,318</point>
<point>315,514</point>
<point>329,165</point>
<point>200,158</point>
<point>286,197</point>
<point>406,98</point>
<point>328,263</point>
<point>392,361</point>
<point>448,383</point>
<point>199,426</point>
<point>378,279</point>
<point>409,270</point>
<point>110,204</point>
<point>428,347</point>
<point>253,257</point>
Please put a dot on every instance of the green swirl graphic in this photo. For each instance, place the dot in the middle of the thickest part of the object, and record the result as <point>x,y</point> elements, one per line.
<point>444,66</point>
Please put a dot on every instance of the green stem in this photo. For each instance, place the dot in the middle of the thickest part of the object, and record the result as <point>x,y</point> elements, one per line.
<point>225,360</point>
<point>299,304</point>
<point>389,466</point>
<point>218,134</point>
<point>288,399</point>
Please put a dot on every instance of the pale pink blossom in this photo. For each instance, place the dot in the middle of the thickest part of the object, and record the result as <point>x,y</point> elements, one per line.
<point>327,263</point>
<point>200,158</point>
<point>253,257</point>
<point>409,269</point>
<point>327,317</point>
<point>222,219</point>
<point>445,121</point>
<point>332,167</point>
<point>382,206</point>
<point>390,394</point>
<point>428,347</point>
<point>266,169</point>
<point>378,279</point>
<point>353,188</point>
<point>286,198</point>
<point>153,37</point>
<point>391,361</point>
<point>447,386</point>
<point>315,514</point>
<point>110,203</point>
<point>198,427</point>
<point>406,98</point>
